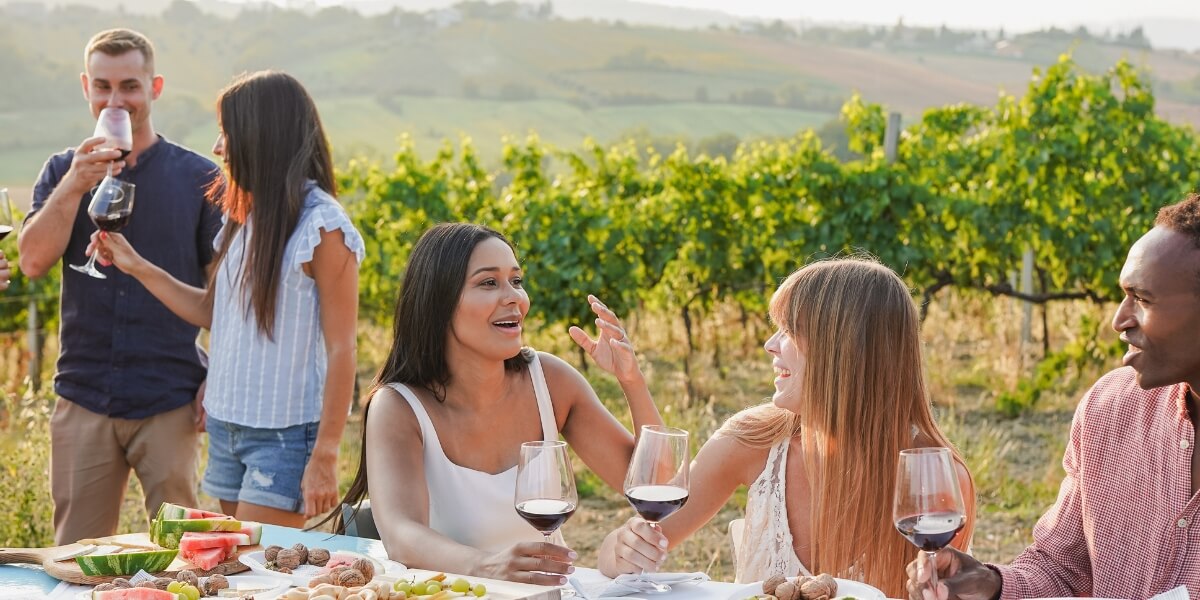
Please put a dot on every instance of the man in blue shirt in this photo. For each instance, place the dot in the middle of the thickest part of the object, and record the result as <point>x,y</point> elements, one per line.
<point>129,372</point>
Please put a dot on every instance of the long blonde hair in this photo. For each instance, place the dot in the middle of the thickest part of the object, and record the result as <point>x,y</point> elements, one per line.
<point>864,400</point>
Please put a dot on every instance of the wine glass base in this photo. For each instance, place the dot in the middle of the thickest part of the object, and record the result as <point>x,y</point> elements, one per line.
<point>88,269</point>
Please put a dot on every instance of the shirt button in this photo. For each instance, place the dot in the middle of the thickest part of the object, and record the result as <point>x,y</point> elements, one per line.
<point>1182,523</point>
<point>1183,444</point>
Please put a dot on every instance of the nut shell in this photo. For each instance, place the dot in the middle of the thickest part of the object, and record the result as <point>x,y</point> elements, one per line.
<point>302,551</point>
<point>364,566</point>
<point>318,557</point>
<point>772,583</point>
<point>270,553</point>
<point>787,590</point>
<point>214,584</point>
<point>351,577</point>
<point>288,558</point>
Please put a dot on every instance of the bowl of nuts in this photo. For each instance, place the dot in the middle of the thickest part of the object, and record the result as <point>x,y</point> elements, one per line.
<point>307,567</point>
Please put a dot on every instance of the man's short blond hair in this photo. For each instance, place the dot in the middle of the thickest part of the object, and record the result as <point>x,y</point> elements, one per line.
<point>115,42</point>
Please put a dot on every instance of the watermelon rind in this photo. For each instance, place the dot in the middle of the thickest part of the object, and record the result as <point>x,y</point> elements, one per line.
<point>125,563</point>
<point>167,532</point>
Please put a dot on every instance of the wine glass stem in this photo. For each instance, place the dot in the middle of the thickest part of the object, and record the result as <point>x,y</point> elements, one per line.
<point>933,579</point>
<point>110,168</point>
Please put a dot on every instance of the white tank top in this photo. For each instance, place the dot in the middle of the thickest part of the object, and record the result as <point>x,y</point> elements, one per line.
<point>766,547</point>
<point>471,507</point>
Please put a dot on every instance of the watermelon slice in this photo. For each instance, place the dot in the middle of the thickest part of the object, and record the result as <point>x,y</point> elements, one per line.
<point>167,533</point>
<point>125,563</point>
<point>192,540</point>
<point>207,558</point>
<point>136,594</point>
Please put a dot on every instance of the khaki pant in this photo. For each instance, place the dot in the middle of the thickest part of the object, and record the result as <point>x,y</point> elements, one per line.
<point>91,456</point>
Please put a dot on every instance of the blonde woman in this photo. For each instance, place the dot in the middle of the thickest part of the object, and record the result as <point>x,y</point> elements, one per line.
<point>820,458</point>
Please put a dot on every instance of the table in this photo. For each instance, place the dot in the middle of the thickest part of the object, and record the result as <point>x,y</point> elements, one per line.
<point>30,581</point>
<point>26,582</point>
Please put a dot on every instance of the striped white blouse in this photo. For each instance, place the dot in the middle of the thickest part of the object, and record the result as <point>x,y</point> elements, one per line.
<point>256,382</point>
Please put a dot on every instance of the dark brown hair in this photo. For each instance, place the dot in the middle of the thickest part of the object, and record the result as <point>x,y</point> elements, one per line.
<point>115,42</point>
<point>429,292</point>
<point>1183,216</point>
<point>274,144</point>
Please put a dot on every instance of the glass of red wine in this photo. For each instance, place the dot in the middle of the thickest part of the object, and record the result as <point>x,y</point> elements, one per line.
<point>546,496</point>
<point>656,483</point>
<point>110,209</point>
<point>117,130</point>
<point>928,507</point>
<point>6,214</point>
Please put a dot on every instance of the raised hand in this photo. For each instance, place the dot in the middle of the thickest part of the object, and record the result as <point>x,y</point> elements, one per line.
<point>635,547</point>
<point>612,350</point>
<point>89,166</point>
<point>539,563</point>
<point>959,576</point>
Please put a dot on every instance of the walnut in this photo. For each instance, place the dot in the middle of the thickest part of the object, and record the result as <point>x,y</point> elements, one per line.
<point>188,577</point>
<point>121,582</point>
<point>270,552</point>
<point>301,550</point>
<point>365,567</point>
<point>287,558</point>
<point>214,584</point>
<point>771,583</point>
<point>284,570</point>
<point>787,591</point>
<point>351,577</point>
<point>149,583</point>
<point>318,580</point>
<point>318,557</point>
<point>104,587</point>
<point>334,572</point>
<point>162,582</point>
<point>814,588</point>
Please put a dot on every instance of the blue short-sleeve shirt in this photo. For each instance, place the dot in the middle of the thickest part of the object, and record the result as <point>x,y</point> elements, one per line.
<point>122,352</point>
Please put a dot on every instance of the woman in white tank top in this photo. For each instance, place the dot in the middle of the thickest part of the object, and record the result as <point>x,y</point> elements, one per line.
<point>457,397</point>
<point>820,458</point>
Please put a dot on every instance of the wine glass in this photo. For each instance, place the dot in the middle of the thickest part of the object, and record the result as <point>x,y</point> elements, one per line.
<point>656,483</point>
<point>110,209</point>
<point>117,130</point>
<point>545,495</point>
<point>6,214</point>
<point>928,507</point>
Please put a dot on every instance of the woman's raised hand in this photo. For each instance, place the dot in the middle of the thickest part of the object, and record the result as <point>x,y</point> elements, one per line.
<point>633,548</point>
<point>114,249</point>
<point>539,563</point>
<point>612,350</point>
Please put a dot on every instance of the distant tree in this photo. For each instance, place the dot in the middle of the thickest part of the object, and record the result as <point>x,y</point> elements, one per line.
<point>702,94</point>
<point>517,91</point>
<point>722,144</point>
<point>470,89</point>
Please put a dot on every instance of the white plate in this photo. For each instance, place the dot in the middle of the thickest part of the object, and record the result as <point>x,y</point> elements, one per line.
<point>304,573</point>
<point>846,587</point>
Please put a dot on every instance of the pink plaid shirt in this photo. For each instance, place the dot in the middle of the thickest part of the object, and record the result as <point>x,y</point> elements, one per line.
<point>1123,523</point>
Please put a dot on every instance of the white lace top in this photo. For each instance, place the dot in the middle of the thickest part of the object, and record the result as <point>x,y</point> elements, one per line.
<point>766,547</point>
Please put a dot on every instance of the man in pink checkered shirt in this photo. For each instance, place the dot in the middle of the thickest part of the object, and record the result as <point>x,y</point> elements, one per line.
<point>1122,526</point>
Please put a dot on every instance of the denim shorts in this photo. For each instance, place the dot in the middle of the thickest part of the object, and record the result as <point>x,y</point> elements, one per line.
<point>258,466</point>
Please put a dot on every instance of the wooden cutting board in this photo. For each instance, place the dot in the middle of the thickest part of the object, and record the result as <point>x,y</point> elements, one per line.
<point>68,570</point>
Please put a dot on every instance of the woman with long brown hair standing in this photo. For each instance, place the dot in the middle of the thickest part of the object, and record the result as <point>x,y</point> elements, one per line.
<point>282,304</point>
<point>820,458</point>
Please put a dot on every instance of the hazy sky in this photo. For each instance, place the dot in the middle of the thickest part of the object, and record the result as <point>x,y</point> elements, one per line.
<point>989,14</point>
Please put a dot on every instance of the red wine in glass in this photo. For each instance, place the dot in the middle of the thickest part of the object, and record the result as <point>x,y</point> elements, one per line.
<point>544,514</point>
<point>928,506</point>
<point>656,483</point>
<point>656,502</point>
<point>110,209</point>
<point>933,531</point>
<point>115,127</point>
